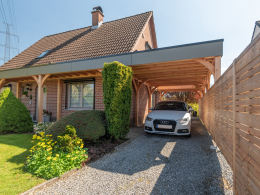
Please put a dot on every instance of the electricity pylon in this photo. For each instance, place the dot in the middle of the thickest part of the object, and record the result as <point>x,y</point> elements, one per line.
<point>7,44</point>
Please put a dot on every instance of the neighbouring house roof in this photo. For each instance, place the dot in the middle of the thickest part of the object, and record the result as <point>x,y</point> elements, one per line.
<point>114,37</point>
<point>256,29</point>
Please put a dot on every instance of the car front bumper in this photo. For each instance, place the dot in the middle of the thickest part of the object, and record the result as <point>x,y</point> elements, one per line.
<point>149,127</point>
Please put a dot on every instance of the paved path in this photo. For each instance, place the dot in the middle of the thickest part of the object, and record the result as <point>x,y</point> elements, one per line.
<point>154,164</point>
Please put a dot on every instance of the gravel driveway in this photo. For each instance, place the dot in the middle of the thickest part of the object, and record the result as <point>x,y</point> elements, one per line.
<point>154,164</point>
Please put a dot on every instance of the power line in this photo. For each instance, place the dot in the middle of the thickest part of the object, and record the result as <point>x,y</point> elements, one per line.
<point>3,12</point>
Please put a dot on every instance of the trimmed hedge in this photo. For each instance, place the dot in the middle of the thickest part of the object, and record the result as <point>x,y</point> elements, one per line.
<point>89,124</point>
<point>117,93</point>
<point>14,116</point>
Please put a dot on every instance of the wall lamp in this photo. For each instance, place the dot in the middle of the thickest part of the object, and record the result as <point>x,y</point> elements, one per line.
<point>28,87</point>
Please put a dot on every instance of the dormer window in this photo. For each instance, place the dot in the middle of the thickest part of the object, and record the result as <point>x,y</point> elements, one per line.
<point>147,46</point>
<point>43,53</point>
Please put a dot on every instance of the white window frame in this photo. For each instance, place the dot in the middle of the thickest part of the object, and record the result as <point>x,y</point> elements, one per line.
<point>81,102</point>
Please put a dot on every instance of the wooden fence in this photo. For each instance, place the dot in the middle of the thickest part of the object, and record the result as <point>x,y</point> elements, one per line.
<point>230,111</point>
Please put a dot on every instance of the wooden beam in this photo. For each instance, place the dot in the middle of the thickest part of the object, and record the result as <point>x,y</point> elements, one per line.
<point>206,64</point>
<point>134,84</point>
<point>173,70</point>
<point>59,99</point>
<point>217,68</point>
<point>174,83</point>
<point>177,90</point>
<point>18,90</point>
<point>44,79</point>
<point>2,82</point>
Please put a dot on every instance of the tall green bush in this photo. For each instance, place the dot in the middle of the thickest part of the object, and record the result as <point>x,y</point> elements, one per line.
<point>14,116</point>
<point>117,92</point>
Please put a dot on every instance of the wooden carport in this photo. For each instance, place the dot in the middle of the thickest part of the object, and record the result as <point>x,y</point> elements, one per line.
<point>183,67</point>
<point>181,75</point>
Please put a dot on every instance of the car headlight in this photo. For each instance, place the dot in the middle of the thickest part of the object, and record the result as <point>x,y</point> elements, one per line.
<point>148,119</point>
<point>184,120</point>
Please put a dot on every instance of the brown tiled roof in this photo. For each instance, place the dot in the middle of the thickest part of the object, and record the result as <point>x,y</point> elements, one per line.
<point>115,37</point>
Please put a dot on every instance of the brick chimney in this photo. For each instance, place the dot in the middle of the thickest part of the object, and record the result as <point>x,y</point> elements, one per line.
<point>97,17</point>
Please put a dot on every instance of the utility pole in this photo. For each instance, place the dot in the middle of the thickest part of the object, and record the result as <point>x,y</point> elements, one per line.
<point>7,44</point>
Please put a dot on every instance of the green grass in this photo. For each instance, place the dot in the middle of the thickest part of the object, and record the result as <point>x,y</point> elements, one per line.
<point>14,149</point>
<point>195,106</point>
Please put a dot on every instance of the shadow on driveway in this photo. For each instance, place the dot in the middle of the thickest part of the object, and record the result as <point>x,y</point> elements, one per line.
<point>172,164</point>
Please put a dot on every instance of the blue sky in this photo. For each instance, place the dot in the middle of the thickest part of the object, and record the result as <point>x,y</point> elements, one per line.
<point>176,22</point>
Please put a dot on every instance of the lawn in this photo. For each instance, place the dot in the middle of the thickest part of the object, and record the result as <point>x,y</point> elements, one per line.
<point>14,149</point>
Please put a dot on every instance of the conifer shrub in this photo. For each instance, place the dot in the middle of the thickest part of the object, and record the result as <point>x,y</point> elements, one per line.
<point>14,116</point>
<point>89,124</point>
<point>117,93</point>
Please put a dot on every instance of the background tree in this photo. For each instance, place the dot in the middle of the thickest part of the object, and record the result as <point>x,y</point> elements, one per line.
<point>186,96</point>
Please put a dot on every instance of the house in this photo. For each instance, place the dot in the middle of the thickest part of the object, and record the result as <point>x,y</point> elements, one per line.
<point>256,30</point>
<point>62,72</point>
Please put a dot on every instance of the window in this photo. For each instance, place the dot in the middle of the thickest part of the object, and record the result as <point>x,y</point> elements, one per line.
<point>81,95</point>
<point>6,86</point>
<point>43,54</point>
<point>147,46</point>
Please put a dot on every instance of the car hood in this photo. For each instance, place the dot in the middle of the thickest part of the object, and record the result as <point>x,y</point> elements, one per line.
<point>168,114</point>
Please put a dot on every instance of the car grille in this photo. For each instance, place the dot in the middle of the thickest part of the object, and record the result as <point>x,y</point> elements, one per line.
<point>158,121</point>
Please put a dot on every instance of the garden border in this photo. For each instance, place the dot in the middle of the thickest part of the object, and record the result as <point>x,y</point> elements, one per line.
<point>67,174</point>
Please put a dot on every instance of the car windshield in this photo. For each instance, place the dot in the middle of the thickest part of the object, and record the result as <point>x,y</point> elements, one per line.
<point>178,106</point>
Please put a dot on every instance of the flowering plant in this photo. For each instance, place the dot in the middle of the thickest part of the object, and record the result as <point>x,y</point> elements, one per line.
<point>51,158</point>
<point>41,127</point>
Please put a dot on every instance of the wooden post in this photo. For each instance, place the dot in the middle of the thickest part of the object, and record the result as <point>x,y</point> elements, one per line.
<point>40,81</point>
<point>217,68</point>
<point>18,90</point>
<point>208,81</point>
<point>136,108</point>
<point>137,87</point>
<point>150,93</point>
<point>234,126</point>
<point>59,99</point>
<point>40,99</point>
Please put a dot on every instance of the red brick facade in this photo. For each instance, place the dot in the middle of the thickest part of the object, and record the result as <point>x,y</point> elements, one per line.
<point>148,35</point>
<point>51,100</point>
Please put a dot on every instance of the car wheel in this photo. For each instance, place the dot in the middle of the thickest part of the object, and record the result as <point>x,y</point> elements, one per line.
<point>188,136</point>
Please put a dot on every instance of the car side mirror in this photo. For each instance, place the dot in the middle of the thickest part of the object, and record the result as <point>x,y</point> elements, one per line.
<point>151,108</point>
<point>191,110</point>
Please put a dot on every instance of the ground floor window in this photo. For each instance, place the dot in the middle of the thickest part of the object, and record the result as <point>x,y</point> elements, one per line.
<point>6,86</point>
<point>81,95</point>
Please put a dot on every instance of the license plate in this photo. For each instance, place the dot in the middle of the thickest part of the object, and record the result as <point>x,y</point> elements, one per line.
<point>164,126</point>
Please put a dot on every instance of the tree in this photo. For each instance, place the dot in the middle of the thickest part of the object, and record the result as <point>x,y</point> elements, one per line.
<point>186,96</point>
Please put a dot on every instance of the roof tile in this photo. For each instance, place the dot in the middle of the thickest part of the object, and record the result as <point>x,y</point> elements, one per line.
<point>110,38</point>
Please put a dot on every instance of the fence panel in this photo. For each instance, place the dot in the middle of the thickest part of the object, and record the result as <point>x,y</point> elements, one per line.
<point>216,112</point>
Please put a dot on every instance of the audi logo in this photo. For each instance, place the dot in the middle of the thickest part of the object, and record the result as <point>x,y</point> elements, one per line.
<point>164,122</point>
